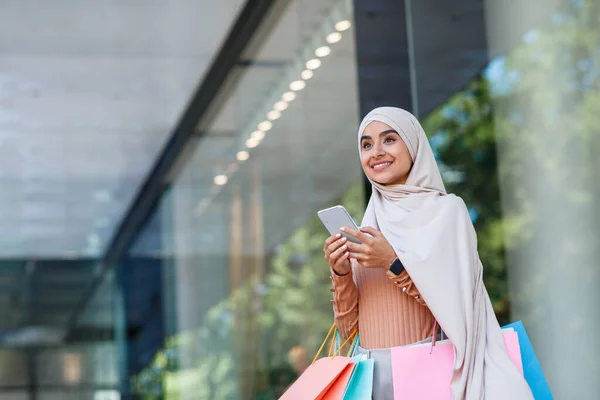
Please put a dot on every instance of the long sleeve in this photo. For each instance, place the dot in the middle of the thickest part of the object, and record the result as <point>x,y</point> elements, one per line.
<point>406,284</point>
<point>345,302</point>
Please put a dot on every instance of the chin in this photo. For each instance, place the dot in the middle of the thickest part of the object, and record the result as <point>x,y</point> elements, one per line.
<point>382,181</point>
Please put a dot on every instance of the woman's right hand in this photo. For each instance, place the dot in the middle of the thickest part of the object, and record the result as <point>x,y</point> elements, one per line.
<point>337,255</point>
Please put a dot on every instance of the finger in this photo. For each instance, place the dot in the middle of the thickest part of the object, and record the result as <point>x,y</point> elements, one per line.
<point>336,245</point>
<point>357,234</point>
<point>335,242</point>
<point>332,239</point>
<point>371,231</point>
<point>356,248</point>
<point>343,258</point>
<point>359,256</point>
<point>363,263</point>
<point>339,252</point>
<point>390,274</point>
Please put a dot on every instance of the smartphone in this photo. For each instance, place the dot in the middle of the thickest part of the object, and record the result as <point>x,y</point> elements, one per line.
<point>336,217</point>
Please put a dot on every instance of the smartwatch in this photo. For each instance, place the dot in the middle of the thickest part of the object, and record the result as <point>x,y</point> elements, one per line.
<point>396,266</point>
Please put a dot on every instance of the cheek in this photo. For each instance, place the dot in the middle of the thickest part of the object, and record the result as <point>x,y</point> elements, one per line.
<point>405,160</point>
<point>364,160</point>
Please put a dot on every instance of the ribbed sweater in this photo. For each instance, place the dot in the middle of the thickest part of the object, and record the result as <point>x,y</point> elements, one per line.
<point>388,312</point>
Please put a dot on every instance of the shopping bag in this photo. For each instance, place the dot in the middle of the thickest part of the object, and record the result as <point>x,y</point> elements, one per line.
<point>511,342</point>
<point>531,367</point>
<point>323,379</point>
<point>337,389</point>
<point>360,386</point>
<point>425,371</point>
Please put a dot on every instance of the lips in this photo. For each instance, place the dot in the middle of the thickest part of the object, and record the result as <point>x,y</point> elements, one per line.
<point>381,165</point>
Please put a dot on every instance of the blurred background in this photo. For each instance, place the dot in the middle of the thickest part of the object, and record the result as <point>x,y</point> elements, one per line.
<point>162,163</point>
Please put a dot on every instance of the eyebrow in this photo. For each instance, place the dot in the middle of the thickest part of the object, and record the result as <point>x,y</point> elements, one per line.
<point>366,137</point>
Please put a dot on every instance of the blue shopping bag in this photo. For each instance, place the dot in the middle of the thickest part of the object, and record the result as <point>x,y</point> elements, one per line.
<point>360,386</point>
<point>531,366</point>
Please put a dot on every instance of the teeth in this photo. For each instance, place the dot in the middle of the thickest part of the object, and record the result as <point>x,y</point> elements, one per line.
<point>385,164</point>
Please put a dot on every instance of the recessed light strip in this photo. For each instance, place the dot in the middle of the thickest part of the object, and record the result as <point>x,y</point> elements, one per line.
<point>299,72</point>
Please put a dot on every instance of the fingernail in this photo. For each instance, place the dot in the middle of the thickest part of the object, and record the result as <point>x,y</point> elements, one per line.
<point>337,235</point>
<point>344,247</point>
<point>342,229</point>
<point>347,253</point>
<point>344,239</point>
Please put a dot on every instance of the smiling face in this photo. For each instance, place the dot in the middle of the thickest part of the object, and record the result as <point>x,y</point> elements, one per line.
<point>383,155</point>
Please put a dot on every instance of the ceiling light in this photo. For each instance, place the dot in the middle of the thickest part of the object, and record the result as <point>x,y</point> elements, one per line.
<point>265,126</point>
<point>258,135</point>
<point>307,74</point>
<point>334,37</point>
<point>221,180</point>
<point>289,96</point>
<point>242,155</point>
<point>323,51</point>
<point>297,85</point>
<point>314,63</point>
<point>281,105</point>
<point>273,115</point>
<point>343,25</point>
<point>252,143</point>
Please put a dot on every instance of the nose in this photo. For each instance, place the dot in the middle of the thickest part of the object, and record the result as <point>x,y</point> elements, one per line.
<point>379,150</point>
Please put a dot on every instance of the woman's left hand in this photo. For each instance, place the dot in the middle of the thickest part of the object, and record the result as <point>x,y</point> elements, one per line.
<point>374,252</point>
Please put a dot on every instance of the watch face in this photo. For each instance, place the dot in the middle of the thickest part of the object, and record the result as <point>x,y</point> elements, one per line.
<point>397,267</point>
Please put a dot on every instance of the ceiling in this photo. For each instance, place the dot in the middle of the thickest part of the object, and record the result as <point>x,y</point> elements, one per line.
<point>96,133</point>
<point>306,134</point>
<point>89,92</point>
<point>298,161</point>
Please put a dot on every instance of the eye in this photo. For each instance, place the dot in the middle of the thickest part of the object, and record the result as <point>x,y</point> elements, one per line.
<point>389,139</point>
<point>366,145</point>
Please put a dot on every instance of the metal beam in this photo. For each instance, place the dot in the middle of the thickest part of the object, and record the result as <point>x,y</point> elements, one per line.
<point>32,388</point>
<point>382,57</point>
<point>176,149</point>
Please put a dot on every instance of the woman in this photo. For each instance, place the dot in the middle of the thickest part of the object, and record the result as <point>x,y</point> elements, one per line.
<point>417,263</point>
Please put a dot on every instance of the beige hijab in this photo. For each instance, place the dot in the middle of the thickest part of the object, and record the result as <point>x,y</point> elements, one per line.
<point>434,238</point>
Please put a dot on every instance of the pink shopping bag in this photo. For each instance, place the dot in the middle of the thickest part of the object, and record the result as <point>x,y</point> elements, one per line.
<point>425,372</point>
<point>326,378</point>
<point>318,379</point>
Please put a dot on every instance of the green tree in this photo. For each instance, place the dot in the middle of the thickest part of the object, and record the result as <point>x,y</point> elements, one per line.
<point>537,113</point>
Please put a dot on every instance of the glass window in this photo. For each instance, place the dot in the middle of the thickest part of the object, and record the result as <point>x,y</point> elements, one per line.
<point>510,101</point>
<point>244,283</point>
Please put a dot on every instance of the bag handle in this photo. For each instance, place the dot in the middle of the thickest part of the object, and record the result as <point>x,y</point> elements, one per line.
<point>352,336</point>
<point>323,344</point>
<point>353,346</point>
<point>332,330</point>
<point>434,336</point>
